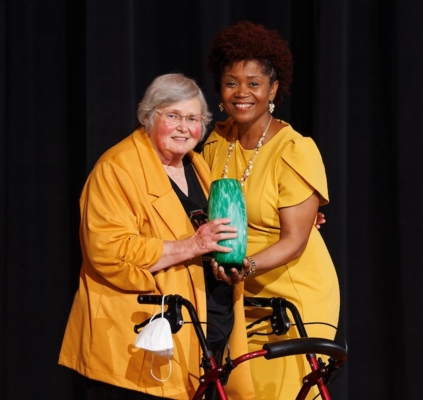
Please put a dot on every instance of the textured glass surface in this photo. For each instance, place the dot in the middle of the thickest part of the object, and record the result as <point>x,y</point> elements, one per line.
<point>227,200</point>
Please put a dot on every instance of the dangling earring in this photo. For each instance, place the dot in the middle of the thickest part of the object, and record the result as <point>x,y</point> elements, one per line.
<point>221,107</point>
<point>271,107</point>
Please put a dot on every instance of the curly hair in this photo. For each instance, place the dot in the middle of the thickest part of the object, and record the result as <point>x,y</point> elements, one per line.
<point>246,41</point>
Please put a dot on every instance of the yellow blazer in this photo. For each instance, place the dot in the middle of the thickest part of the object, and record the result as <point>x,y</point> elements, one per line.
<point>128,208</point>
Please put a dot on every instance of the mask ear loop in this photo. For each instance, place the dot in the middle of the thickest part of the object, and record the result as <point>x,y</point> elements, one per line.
<point>152,358</point>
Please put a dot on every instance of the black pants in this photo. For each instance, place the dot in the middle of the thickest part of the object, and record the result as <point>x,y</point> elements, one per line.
<point>103,391</point>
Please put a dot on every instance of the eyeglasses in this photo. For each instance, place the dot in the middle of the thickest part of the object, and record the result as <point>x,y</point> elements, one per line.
<point>175,118</point>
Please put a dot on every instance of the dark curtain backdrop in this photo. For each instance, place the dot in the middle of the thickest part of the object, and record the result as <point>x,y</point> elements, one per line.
<point>71,75</point>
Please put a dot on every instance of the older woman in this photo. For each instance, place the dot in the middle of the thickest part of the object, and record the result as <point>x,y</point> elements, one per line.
<point>144,229</point>
<point>284,183</point>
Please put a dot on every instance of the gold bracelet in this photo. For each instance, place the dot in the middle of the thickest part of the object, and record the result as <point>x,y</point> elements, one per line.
<point>253,267</point>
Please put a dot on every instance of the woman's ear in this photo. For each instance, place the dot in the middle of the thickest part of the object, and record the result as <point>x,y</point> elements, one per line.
<point>273,90</point>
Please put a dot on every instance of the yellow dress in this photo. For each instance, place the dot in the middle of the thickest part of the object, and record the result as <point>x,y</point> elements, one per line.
<point>285,172</point>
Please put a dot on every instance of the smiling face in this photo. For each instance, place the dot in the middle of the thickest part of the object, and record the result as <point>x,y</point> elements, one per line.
<point>173,140</point>
<point>246,92</point>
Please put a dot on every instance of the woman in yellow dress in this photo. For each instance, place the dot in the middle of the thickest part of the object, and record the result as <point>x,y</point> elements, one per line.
<point>284,183</point>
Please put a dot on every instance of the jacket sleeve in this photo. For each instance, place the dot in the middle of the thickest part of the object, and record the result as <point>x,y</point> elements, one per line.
<point>116,236</point>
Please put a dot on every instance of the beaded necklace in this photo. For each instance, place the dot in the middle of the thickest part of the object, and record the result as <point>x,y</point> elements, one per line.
<point>247,171</point>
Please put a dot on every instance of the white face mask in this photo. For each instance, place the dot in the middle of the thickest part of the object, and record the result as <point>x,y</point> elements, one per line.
<point>156,338</point>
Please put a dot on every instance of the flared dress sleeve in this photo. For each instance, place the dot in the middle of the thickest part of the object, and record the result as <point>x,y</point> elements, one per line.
<point>301,171</point>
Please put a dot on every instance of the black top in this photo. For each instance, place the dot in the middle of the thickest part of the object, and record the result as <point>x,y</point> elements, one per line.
<point>218,294</point>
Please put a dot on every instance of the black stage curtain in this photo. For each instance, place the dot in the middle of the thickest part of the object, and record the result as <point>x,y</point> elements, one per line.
<point>72,73</point>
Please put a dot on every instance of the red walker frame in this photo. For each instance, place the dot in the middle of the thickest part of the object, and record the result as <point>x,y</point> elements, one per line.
<point>219,374</point>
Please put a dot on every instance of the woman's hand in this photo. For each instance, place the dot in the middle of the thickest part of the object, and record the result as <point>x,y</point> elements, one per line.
<point>208,235</point>
<point>320,220</point>
<point>235,277</point>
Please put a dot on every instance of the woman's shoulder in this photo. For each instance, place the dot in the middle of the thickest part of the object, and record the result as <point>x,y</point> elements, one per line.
<point>126,147</point>
<point>222,130</point>
<point>290,141</point>
<point>287,132</point>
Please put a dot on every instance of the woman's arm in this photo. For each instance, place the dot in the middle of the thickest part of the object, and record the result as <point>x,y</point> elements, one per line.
<point>202,242</point>
<point>296,223</point>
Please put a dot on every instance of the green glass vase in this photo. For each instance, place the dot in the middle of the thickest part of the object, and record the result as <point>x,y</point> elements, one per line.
<point>226,200</point>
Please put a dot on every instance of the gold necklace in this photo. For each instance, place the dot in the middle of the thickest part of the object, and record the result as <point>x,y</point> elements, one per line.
<point>247,171</point>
